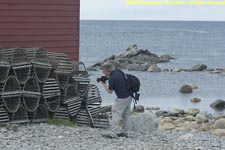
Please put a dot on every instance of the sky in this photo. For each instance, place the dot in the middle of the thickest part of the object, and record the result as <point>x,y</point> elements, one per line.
<point>118,10</point>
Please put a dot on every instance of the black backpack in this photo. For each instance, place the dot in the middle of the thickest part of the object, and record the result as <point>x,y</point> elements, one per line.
<point>133,85</point>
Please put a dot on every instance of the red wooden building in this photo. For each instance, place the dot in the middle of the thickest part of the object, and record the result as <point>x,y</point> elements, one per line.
<point>52,24</point>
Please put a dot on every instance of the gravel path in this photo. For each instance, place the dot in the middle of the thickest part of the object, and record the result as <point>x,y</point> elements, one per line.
<point>50,137</point>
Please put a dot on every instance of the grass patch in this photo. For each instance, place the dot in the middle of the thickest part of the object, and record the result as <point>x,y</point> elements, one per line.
<point>60,122</point>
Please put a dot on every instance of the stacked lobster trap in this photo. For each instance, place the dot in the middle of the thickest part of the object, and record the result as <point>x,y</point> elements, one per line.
<point>36,84</point>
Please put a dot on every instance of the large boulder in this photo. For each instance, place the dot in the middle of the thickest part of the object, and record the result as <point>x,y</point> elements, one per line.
<point>186,89</point>
<point>193,111</point>
<point>219,124</point>
<point>189,118</point>
<point>218,104</point>
<point>199,67</point>
<point>176,112</point>
<point>154,68</point>
<point>219,132</point>
<point>165,58</point>
<point>133,58</point>
<point>136,67</point>
<point>144,122</point>
<point>202,117</point>
<point>139,109</point>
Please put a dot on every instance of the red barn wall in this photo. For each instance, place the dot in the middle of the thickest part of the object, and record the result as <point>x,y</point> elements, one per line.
<point>52,24</point>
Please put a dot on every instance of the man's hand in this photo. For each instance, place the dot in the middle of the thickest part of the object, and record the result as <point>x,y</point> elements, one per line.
<point>106,87</point>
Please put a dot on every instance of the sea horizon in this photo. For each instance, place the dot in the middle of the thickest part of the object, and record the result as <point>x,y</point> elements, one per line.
<point>153,20</point>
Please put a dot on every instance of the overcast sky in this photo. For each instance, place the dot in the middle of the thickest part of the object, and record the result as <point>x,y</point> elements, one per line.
<point>118,10</point>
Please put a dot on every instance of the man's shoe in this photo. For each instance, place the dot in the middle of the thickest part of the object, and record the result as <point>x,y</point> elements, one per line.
<point>122,135</point>
<point>110,135</point>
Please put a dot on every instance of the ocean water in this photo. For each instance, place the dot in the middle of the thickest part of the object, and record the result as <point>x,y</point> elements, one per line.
<point>189,42</point>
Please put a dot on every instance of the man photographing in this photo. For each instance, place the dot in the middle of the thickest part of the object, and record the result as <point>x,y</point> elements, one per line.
<point>121,107</point>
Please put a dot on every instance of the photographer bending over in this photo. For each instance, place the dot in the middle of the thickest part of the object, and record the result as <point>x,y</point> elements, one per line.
<point>121,107</point>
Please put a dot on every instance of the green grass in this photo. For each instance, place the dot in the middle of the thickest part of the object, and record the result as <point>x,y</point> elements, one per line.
<point>60,122</point>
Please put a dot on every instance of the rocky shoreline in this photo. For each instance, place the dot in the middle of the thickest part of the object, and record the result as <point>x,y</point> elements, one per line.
<point>151,129</point>
<point>138,59</point>
<point>176,120</point>
<point>49,137</point>
<point>134,59</point>
<point>197,68</point>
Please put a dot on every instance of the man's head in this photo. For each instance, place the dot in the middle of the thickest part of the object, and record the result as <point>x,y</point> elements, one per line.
<point>107,68</point>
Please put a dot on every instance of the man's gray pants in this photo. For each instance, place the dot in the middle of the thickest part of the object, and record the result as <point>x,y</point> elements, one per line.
<point>121,110</point>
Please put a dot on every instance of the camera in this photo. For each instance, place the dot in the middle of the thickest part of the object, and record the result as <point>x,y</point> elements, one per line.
<point>103,79</point>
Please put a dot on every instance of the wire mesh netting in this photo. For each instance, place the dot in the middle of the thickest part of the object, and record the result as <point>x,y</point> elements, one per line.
<point>36,84</point>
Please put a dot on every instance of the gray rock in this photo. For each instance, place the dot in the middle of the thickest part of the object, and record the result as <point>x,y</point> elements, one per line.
<point>219,132</point>
<point>132,47</point>
<point>219,124</point>
<point>144,122</point>
<point>154,68</point>
<point>193,111</point>
<point>186,89</point>
<point>195,100</point>
<point>202,117</point>
<point>137,67</point>
<point>218,104</point>
<point>162,113</point>
<point>139,109</point>
<point>132,59</point>
<point>199,67</point>
<point>218,72</point>
<point>218,116</point>
<point>190,118</point>
<point>113,57</point>
<point>220,69</point>
<point>165,58</point>
<point>152,108</point>
<point>176,112</point>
